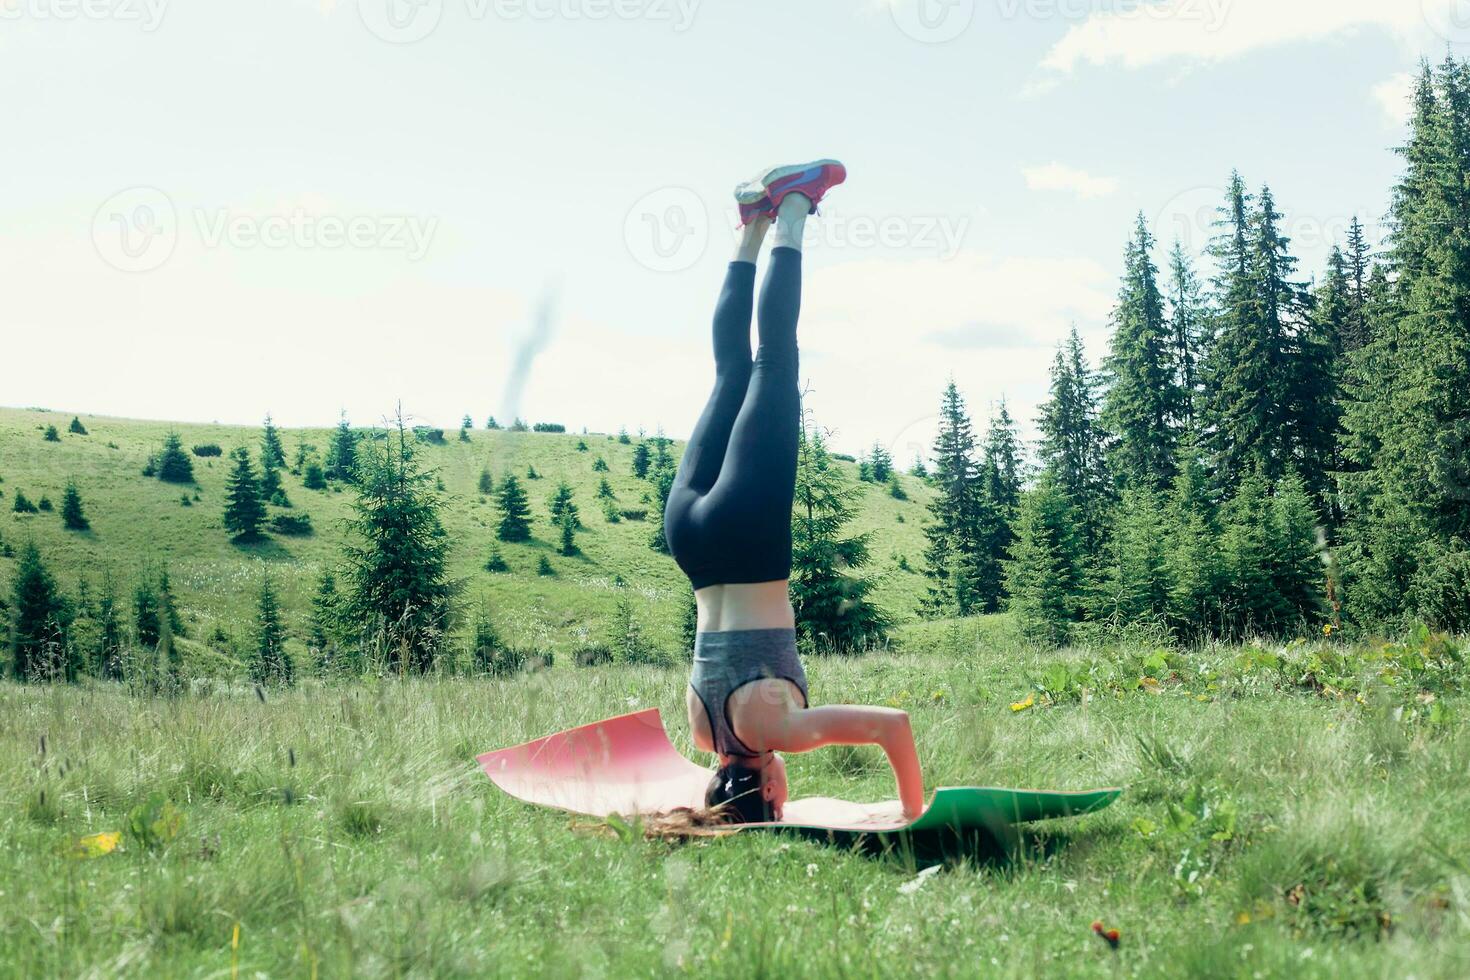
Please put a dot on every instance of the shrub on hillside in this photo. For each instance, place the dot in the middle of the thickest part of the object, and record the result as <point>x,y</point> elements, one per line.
<point>544,566</point>
<point>548,427</point>
<point>76,428</point>
<point>52,435</point>
<point>21,504</point>
<point>593,655</point>
<point>293,525</point>
<point>315,478</point>
<point>425,434</point>
<point>208,449</point>
<point>634,513</point>
<point>45,504</point>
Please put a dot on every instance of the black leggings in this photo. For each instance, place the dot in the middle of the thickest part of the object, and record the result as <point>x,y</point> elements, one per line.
<point>728,518</point>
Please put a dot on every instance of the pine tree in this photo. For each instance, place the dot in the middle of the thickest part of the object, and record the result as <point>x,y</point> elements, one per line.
<point>880,463</point>
<point>51,434</point>
<point>315,479</point>
<point>147,615</point>
<point>172,464</point>
<point>168,609</point>
<point>1359,268</point>
<point>325,621</point>
<point>272,663</point>
<point>491,424</point>
<point>244,509</point>
<point>564,516</point>
<point>487,482</point>
<point>641,460</point>
<point>1142,401</point>
<point>599,465</point>
<point>465,425</point>
<point>38,621</point>
<point>1044,576</point>
<point>72,515</point>
<point>271,489</point>
<point>1193,561</point>
<point>1249,546</point>
<point>272,453</point>
<point>1315,394</point>
<point>1073,447</point>
<point>1296,567</point>
<point>399,559</point>
<point>953,532</point>
<point>833,608</point>
<point>605,490</point>
<point>109,632</point>
<point>1189,335</point>
<point>1253,371</point>
<point>1138,581</point>
<point>342,457</point>
<point>76,427</point>
<point>662,478</point>
<point>515,511</point>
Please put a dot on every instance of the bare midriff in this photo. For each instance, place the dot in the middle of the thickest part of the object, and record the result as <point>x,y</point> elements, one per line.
<point>754,606</point>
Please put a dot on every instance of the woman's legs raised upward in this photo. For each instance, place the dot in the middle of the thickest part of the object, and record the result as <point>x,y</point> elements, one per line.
<point>705,453</point>
<point>752,496</point>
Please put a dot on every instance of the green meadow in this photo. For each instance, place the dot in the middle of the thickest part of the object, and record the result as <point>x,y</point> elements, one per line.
<point>1273,825</point>
<point>1296,807</point>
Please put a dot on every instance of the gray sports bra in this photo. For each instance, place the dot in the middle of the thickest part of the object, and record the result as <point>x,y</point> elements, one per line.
<point>726,661</point>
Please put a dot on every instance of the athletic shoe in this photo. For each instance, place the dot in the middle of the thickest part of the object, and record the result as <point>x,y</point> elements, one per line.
<point>813,179</point>
<point>754,209</point>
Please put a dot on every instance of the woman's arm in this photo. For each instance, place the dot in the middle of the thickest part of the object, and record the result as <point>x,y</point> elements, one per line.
<point>842,724</point>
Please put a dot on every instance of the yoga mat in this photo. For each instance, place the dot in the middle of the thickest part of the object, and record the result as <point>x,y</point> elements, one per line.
<point>627,765</point>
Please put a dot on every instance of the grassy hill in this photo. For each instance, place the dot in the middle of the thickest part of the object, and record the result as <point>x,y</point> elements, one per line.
<point>140,522</point>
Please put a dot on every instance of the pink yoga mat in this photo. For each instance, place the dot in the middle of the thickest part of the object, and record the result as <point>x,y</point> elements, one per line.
<point>627,765</point>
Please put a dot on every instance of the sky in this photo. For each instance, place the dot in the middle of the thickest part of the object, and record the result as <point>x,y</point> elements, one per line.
<point>212,211</point>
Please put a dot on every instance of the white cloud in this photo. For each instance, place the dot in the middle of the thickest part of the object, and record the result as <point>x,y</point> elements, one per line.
<point>1059,177</point>
<point>1207,31</point>
<point>1394,95</point>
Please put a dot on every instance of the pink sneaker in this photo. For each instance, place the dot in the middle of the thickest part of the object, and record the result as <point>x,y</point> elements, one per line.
<point>813,179</point>
<point>750,211</point>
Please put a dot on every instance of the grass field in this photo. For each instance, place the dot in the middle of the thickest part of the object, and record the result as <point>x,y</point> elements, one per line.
<point>1299,810</point>
<point>140,523</point>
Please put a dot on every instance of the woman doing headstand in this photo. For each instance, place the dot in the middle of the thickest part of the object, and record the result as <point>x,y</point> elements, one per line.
<point>728,524</point>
